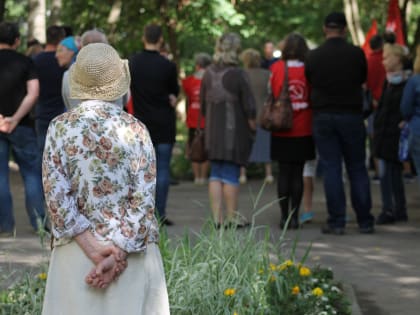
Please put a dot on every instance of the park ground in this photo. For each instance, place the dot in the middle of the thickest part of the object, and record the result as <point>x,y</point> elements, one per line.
<point>381,269</point>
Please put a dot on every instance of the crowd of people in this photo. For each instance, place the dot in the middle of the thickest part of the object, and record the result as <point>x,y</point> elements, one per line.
<point>106,173</point>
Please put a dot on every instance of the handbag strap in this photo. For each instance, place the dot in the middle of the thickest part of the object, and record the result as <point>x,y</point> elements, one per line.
<point>285,87</point>
<point>199,119</point>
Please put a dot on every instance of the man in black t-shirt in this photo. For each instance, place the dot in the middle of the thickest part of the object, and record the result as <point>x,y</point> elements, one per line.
<point>336,71</point>
<point>19,88</point>
<point>154,85</point>
<point>50,101</point>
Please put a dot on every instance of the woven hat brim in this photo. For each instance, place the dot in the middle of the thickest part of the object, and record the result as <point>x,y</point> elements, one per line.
<point>108,92</point>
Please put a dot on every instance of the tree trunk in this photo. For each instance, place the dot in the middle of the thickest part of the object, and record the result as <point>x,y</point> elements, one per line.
<point>351,10</point>
<point>55,12</point>
<point>170,26</point>
<point>36,20</point>
<point>2,9</point>
<point>113,18</point>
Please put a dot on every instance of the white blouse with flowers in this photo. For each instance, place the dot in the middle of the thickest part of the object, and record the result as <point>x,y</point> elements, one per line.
<point>99,173</point>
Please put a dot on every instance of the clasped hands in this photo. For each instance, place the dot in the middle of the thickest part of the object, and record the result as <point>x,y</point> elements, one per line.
<point>7,124</point>
<point>110,261</point>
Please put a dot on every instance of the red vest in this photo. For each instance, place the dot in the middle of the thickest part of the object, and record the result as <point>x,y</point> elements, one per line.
<point>299,94</point>
<point>191,86</point>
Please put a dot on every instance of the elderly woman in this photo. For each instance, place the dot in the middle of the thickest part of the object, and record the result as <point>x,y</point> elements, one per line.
<point>410,109</point>
<point>386,128</point>
<point>67,51</point>
<point>229,107</point>
<point>292,148</point>
<point>258,78</point>
<point>99,177</point>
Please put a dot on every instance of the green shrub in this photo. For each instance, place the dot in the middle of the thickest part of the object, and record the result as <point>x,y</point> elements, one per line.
<point>222,272</point>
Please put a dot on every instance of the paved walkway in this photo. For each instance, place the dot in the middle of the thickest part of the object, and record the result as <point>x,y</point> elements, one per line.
<point>382,268</point>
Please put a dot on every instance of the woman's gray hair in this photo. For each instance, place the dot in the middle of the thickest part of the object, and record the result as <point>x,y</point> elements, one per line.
<point>227,49</point>
<point>202,60</point>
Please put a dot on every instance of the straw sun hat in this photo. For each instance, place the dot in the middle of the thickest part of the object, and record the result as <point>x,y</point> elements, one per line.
<point>99,73</point>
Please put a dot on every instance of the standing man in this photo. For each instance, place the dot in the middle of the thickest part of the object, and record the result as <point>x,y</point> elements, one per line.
<point>154,87</point>
<point>268,58</point>
<point>50,102</point>
<point>19,88</point>
<point>336,71</point>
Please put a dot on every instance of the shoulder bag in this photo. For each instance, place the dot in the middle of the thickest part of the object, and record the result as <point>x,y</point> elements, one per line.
<point>277,114</point>
<point>197,150</point>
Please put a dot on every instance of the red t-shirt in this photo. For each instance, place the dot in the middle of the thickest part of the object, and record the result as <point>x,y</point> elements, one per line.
<point>376,74</point>
<point>299,94</point>
<point>191,86</point>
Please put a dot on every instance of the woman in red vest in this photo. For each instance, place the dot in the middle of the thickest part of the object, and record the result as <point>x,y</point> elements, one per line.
<point>191,86</point>
<point>293,147</point>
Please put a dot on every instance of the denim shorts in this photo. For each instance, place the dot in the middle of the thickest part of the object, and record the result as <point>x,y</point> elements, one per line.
<point>224,171</point>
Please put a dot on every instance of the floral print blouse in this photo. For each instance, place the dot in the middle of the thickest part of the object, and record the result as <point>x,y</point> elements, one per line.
<point>99,173</point>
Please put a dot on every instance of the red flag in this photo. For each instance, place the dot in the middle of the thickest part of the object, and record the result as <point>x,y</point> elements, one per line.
<point>372,32</point>
<point>394,23</point>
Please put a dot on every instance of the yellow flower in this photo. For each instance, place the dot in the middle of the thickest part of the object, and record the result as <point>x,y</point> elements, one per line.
<point>234,313</point>
<point>304,271</point>
<point>42,276</point>
<point>261,271</point>
<point>229,292</point>
<point>295,290</point>
<point>273,267</point>
<point>285,265</point>
<point>288,263</point>
<point>272,278</point>
<point>317,291</point>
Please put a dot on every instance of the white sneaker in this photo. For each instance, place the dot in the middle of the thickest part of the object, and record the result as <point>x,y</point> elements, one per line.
<point>269,179</point>
<point>242,179</point>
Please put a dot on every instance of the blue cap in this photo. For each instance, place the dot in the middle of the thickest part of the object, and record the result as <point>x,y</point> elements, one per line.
<point>70,43</point>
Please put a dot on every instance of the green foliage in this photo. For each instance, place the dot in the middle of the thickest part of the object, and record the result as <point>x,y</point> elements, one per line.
<point>209,273</point>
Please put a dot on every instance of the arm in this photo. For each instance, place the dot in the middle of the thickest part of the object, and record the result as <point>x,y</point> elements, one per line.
<point>9,123</point>
<point>248,100</point>
<point>407,100</point>
<point>67,220</point>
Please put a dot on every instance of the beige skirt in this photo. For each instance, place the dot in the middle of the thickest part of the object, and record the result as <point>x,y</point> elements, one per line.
<point>140,290</point>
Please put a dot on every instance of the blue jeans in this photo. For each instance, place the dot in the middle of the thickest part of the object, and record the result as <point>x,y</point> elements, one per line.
<point>338,137</point>
<point>22,142</point>
<point>392,188</point>
<point>225,172</point>
<point>41,127</point>
<point>414,147</point>
<point>163,165</point>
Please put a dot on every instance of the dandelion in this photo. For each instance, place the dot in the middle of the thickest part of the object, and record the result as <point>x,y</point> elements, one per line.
<point>272,278</point>
<point>42,276</point>
<point>317,291</point>
<point>229,292</point>
<point>304,271</point>
<point>295,290</point>
<point>288,263</point>
<point>261,271</point>
<point>234,313</point>
<point>273,267</point>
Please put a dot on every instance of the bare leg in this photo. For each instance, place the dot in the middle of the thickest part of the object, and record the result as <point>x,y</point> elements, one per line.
<point>196,171</point>
<point>242,177</point>
<point>268,171</point>
<point>230,194</point>
<point>204,170</point>
<point>215,194</point>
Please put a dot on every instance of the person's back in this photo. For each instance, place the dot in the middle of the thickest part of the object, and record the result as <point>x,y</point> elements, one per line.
<point>153,80</point>
<point>336,71</point>
<point>13,75</point>
<point>154,88</point>
<point>18,93</point>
